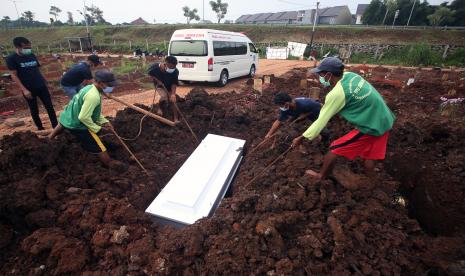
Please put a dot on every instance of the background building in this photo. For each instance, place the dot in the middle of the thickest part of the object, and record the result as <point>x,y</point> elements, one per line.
<point>339,15</point>
<point>359,13</point>
<point>139,21</point>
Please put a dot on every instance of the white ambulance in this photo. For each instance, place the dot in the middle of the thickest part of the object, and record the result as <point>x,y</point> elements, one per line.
<point>206,55</point>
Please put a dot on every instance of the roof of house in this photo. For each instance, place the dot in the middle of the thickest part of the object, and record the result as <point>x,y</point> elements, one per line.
<point>291,15</point>
<point>243,18</point>
<point>332,11</point>
<point>276,16</point>
<point>254,17</point>
<point>139,21</point>
<point>283,16</point>
<point>264,16</point>
<point>361,8</point>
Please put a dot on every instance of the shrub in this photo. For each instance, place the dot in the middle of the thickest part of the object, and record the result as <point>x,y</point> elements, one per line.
<point>421,54</point>
<point>457,58</point>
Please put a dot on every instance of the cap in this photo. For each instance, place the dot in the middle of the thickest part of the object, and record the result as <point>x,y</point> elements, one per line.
<point>106,77</point>
<point>329,64</point>
<point>94,59</point>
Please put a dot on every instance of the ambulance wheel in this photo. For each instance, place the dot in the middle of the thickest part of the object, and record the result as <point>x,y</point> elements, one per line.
<point>253,71</point>
<point>224,77</point>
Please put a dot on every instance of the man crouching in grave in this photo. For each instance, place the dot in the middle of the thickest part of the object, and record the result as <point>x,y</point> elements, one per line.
<point>165,78</point>
<point>83,118</point>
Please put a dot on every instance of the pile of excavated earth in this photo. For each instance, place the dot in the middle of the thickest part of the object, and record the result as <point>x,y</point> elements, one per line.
<point>61,212</point>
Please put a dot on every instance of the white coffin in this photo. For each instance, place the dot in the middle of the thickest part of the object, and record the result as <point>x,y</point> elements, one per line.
<point>196,190</point>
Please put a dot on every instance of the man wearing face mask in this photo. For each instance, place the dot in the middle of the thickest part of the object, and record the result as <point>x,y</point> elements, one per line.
<point>359,103</point>
<point>293,108</point>
<point>79,76</point>
<point>24,68</point>
<point>165,75</point>
<point>83,117</point>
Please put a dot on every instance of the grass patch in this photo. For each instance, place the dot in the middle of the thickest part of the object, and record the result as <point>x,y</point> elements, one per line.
<point>457,58</point>
<point>419,54</point>
<point>130,66</point>
<point>147,85</point>
<point>161,33</point>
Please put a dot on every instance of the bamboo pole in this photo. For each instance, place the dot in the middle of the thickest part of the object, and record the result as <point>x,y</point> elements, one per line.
<point>267,167</point>
<point>127,148</point>
<point>145,112</point>
<point>185,121</point>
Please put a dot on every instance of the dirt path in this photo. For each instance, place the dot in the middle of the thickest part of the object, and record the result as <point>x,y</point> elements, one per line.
<point>63,214</point>
<point>110,108</point>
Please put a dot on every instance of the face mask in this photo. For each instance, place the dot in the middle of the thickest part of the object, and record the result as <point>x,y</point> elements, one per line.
<point>170,71</point>
<point>284,109</point>
<point>324,82</point>
<point>108,89</point>
<point>26,51</point>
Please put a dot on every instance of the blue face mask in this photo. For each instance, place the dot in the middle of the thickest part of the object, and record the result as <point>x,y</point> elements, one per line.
<point>26,51</point>
<point>108,89</point>
<point>170,71</point>
<point>324,82</point>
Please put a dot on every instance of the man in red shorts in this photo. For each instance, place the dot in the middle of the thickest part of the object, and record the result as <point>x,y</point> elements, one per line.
<point>358,102</point>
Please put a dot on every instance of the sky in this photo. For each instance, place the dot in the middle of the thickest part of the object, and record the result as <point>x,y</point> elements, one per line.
<point>169,11</point>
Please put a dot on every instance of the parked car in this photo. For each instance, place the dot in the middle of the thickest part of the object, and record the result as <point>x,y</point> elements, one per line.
<point>206,55</point>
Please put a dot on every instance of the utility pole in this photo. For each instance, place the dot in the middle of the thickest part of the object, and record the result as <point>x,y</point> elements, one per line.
<point>87,26</point>
<point>17,13</point>
<point>395,17</point>
<point>203,11</point>
<point>16,8</point>
<point>411,12</point>
<point>314,24</point>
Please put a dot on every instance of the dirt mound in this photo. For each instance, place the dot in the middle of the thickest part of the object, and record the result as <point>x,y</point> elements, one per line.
<point>62,213</point>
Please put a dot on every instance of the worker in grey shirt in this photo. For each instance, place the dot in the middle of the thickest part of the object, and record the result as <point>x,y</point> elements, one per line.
<point>79,76</point>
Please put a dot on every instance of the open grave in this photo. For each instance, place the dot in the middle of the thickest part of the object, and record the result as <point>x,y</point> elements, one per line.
<point>62,213</point>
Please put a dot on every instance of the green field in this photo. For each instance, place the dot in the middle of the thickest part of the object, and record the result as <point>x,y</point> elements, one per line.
<point>124,39</point>
<point>258,33</point>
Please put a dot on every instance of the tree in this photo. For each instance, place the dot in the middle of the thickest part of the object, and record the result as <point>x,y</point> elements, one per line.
<point>390,5</point>
<point>55,11</point>
<point>458,6</point>
<point>219,8</point>
<point>70,18</point>
<point>190,14</point>
<point>420,12</point>
<point>442,16</point>
<point>5,20</point>
<point>96,15</point>
<point>28,16</point>
<point>374,13</point>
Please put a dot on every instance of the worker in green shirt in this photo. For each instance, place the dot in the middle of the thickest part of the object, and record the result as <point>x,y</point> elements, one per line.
<point>83,118</point>
<point>359,103</point>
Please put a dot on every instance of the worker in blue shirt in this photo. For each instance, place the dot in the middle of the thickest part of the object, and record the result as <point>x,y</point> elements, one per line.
<point>293,108</point>
<point>79,75</point>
